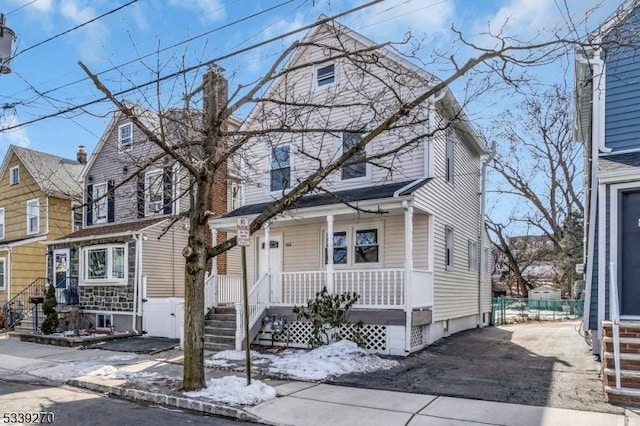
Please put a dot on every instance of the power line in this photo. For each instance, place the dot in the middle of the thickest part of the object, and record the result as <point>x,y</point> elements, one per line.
<point>195,67</point>
<point>237,21</point>
<point>20,7</point>
<point>74,28</point>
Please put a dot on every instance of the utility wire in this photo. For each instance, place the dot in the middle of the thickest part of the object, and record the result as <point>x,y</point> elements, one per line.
<point>20,7</point>
<point>74,28</point>
<point>195,67</point>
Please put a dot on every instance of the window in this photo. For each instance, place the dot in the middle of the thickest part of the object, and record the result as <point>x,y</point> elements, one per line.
<point>366,247</point>
<point>105,264</point>
<point>235,195</point>
<point>104,321</point>
<point>100,204</point>
<point>448,250</point>
<point>1,223</point>
<point>450,156</point>
<point>3,273</point>
<point>487,260</point>
<point>76,217</point>
<point>125,137</point>
<point>153,192</point>
<point>473,256</point>
<point>33,216</point>
<point>325,75</point>
<point>356,166</point>
<point>14,175</point>
<point>355,246</point>
<point>280,168</point>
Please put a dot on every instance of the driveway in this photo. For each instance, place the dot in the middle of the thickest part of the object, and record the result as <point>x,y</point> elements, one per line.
<point>544,364</point>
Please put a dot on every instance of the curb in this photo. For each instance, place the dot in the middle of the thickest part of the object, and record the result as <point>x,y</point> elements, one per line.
<point>171,401</point>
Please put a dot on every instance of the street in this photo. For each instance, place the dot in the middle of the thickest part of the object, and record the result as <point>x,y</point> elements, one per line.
<point>73,406</point>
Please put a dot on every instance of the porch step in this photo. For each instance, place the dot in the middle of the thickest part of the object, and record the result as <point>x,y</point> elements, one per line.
<point>220,329</point>
<point>629,392</point>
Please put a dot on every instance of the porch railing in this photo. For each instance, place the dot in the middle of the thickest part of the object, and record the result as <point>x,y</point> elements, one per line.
<point>20,306</point>
<point>299,287</point>
<point>377,288</point>
<point>221,290</point>
<point>67,293</point>
<point>210,292</point>
<point>258,303</point>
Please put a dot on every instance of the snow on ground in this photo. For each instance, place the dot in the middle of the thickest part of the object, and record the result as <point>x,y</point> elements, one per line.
<point>338,358</point>
<point>234,390</point>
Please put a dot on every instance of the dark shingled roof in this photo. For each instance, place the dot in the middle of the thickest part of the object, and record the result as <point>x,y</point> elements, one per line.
<point>615,161</point>
<point>115,228</point>
<point>349,195</point>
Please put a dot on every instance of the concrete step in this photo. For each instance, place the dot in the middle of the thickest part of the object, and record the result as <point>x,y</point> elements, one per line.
<point>230,340</point>
<point>627,329</point>
<point>219,331</point>
<point>220,323</point>
<point>628,378</point>
<point>217,347</point>
<point>226,310</point>
<point>222,317</point>
<point>624,396</point>
<point>627,344</point>
<point>628,361</point>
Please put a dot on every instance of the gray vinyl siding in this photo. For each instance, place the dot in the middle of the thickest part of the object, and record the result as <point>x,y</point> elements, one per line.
<point>456,206</point>
<point>311,151</point>
<point>622,104</point>
<point>162,261</point>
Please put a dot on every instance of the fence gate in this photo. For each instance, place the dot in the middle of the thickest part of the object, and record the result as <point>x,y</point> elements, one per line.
<point>163,317</point>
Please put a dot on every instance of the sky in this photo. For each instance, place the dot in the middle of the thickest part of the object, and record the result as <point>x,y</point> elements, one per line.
<point>129,45</point>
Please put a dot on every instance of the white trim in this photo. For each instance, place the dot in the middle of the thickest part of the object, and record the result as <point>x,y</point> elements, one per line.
<point>148,176</point>
<point>602,256</point>
<point>351,229</point>
<point>37,216</point>
<point>24,241</point>
<point>619,176</point>
<point>269,155</point>
<point>317,67</point>
<point>102,199</point>
<point>105,315</point>
<point>109,279</point>
<point>598,102</point>
<point>16,180</point>
<point>408,271</point>
<point>3,270</point>
<point>129,145</point>
<point>2,223</point>
<point>367,165</point>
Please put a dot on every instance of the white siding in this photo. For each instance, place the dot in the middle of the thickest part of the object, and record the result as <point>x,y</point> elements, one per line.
<point>456,206</point>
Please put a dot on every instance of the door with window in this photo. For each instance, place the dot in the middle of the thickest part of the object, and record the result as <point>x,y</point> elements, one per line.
<point>61,274</point>
<point>275,260</point>
<point>628,249</point>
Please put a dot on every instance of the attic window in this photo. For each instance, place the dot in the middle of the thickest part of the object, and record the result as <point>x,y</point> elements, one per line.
<point>325,75</point>
<point>14,175</point>
<point>125,137</point>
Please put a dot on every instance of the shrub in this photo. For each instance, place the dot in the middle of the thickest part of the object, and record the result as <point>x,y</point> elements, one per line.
<point>50,323</point>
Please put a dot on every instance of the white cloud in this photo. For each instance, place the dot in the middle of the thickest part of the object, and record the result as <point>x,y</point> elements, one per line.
<point>15,136</point>
<point>209,10</point>
<point>92,37</point>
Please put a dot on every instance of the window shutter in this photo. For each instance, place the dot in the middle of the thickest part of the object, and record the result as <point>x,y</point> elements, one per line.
<point>110,202</point>
<point>141,196</point>
<point>167,189</point>
<point>89,204</point>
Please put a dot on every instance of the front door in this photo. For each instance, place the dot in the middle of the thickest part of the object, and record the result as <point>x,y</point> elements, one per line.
<point>629,248</point>
<point>275,255</point>
<point>61,274</point>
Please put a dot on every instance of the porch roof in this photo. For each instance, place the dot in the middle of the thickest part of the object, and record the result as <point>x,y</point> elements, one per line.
<point>109,230</point>
<point>374,192</point>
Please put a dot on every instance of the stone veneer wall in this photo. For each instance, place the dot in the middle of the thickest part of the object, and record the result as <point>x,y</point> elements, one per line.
<point>116,298</point>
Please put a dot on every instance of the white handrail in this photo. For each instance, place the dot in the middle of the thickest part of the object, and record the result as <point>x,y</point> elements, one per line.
<point>258,302</point>
<point>614,312</point>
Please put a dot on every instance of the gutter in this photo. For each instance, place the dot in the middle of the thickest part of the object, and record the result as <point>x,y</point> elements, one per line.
<point>91,237</point>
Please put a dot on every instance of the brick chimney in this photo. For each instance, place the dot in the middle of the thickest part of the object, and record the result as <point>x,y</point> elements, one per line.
<point>81,155</point>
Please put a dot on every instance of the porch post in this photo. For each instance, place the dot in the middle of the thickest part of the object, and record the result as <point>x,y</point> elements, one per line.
<point>329,245</point>
<point>214,242</point>
<point>267,258</point>
<point>408,270</point>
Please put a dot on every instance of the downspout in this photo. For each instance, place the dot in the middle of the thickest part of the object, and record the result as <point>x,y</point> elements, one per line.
<point>46,209</point>
<point>483,260</point>
<point>8,269</point>
<point>136,282</point>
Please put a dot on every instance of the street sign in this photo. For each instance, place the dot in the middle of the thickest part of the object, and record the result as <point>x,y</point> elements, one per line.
<point>242,231</point>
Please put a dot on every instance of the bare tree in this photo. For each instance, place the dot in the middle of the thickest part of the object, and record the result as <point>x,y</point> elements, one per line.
<point>538,165</point>
<point>383,97</point>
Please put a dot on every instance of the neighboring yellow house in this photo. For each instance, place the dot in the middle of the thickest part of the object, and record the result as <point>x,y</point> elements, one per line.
<point>38,193</point>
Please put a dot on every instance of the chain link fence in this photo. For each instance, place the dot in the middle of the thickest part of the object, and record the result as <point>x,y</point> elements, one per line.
<point>511,310</point>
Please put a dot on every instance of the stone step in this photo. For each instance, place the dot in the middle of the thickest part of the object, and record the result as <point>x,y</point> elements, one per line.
<point>225,310</point>
<point>220,323</point>
<point>623,396</point>
<point>219,331</point>
<point>230,340</point>
<point>222,317</point>
<point>217,347</point>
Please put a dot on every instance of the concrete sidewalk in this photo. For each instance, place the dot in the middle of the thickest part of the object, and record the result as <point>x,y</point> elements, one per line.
<point>298,403</point>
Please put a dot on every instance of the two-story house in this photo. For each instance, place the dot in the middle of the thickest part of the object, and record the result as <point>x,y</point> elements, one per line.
<point>405,231</point>
<point>608,121</point>
<point>39,193</point>
<point>127,257</point>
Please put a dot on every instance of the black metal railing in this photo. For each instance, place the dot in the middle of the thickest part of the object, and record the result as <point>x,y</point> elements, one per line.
<point>20,306</point>
<point>67,291</point>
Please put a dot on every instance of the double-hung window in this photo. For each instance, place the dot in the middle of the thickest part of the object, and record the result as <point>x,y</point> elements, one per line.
<point>355,246</point>
<point>154,192</point>
<point>325,75</point>
<point>280,168</point>
<point>33,216</point>
<point>100,204</point>
<point>356,166</point>
<point>3,273</point>
<point>1,223</point>
<point>451,152</point>
<point>14,175</point>
<point>448,249</point>
<point>125,137</point>
<point>105,264</point>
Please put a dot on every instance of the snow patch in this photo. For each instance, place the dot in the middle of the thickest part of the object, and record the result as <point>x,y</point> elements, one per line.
<point>234,390</point>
